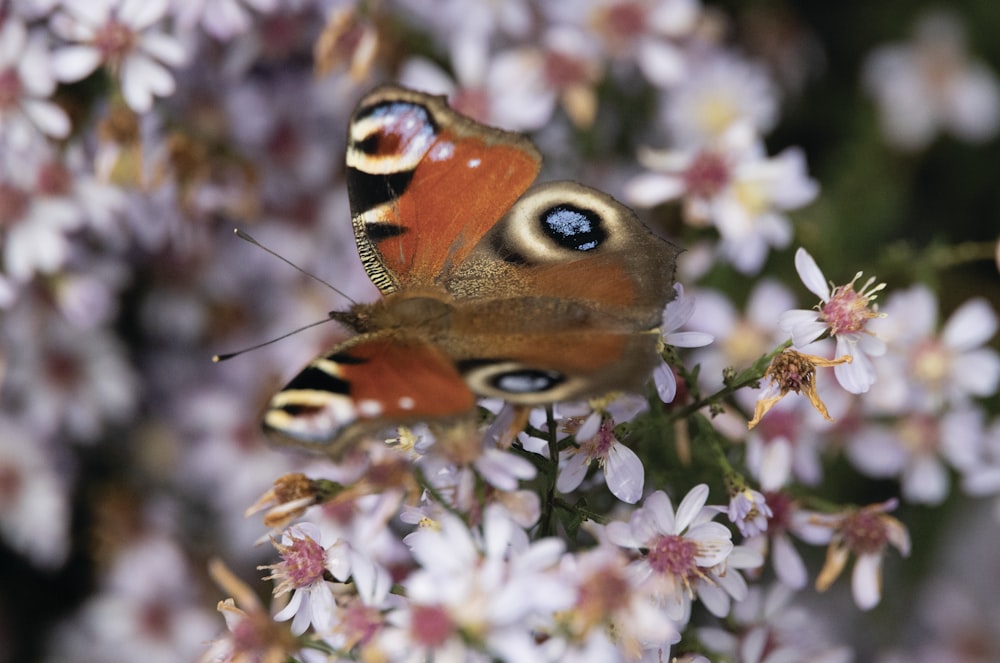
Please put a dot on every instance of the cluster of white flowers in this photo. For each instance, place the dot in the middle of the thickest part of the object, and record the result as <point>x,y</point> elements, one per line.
<point>135,133</point>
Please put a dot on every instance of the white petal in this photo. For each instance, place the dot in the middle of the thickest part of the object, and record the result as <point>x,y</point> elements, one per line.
<point>926,481</point>
<point>866,581</point>
<point>970,326</point>
<point>787,563</point>
<point>977,372</point>
<point>13,37</point>
<point>623,472</point>
<point>652,189</point>
<point>690,339</point>
<point>164,48</point>
<point>803,326</point>
<point>690,506</point>
<point>74,63</point>
<point>140,14</point>
<point>48,117</point>
<point>661,62</point>
<point>811,275</point>
<point>666,383</point>
<point>572,470</point>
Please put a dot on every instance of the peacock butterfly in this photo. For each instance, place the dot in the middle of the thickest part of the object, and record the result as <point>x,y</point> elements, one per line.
<point>490,288</point>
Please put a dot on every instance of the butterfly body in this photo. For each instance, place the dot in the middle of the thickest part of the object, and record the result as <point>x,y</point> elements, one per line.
<point>489,288</point>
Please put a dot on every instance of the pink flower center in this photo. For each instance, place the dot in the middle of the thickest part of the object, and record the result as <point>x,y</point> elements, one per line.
<point>53,179</point>
<point>360,622</point>
<point>430,626</point>
<point>115,41</point>
<point>864,532</point>
<point>707,175</point>
<point>604,440</point>
<point>11,484</point>
<point>779,425</point>
<point>305,562</point>
<point>13,204</point>
<point>781,511</point>
<point>625,20</point>
<point>562,70</point>
<point>847,311</point>
<point>472,102</point>
<point>673,555</point>
<point>919,433</point>
<point>10,88</point>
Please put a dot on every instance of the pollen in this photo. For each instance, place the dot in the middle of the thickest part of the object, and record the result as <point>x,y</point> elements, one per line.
<point>673,555</point>
<point>848,310</point>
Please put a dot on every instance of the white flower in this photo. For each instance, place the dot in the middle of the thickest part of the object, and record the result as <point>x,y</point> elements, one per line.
<point>623,471</point>
<point>913,447</point>
<point>931,85</point>
<point>26,83</point>
<point>223,19</point>
<point>119,34</point>
<point>843,313</point>
<point>681,549</point>
<point>733,185</point>
<point>720,92</point>
<point>929,370</point>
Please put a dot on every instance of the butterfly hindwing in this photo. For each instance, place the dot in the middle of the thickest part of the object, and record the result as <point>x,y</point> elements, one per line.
<point>426,184</point>
<point>361,385</point>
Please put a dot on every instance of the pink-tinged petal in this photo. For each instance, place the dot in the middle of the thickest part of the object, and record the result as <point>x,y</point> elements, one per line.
<point>753,645</point>
<point>803,326</point>
<point>140,14</point>
<point>982,481</point>
<point>775,467</point>
<point>661,62</point>
<point>970,326</point>
<point>926,481</point>
<point>977,372</point>
<point>142,78</point>
<point>787,563</point>
<point>620,534</point>
<point>497,532</point>
<point>164,48</point>
<point>652,189</point>
<point>662,512</point>
<point>878,453</point>
<point>74,63</point>
<point>675,18</point>
<point>48,117</point>
<point>690,339</point>
<point>873,346</point>
<point>690,506</point>
<point>588,429</point>
<point>666,383</point>
<point>13,37</point>
<point>714,598</point>
<point>866,581</point>
<point>624,474</point>
<point>858,376</point>
<point>572,470</point>
<point>811,275</point>
<point>744,557</point>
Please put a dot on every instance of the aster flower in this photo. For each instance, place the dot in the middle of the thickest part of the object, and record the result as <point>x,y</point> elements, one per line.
<point>867,533</point>
<point>843,313</point>
<point>733,185</point>
<point>915,447</point>
<point>931,84</point>
<point>680,549</point>
<point>786,518</point>
<point>482,588</point>
<point>623,471</point>
<point>305,562</point>
<point>121,35</point>
<point>749,511</point>
<point>720,92</point>
<point>927,369</point>
<point>26,83</point>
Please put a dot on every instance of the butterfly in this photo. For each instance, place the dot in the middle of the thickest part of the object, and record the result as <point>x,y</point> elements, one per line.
<point>490,288</point>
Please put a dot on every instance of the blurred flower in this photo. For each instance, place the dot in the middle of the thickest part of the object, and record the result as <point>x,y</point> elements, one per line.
<point>223,19</point>
<point>843,314</point>
<point>721,91</point>
<point>926,370</point>
<point>914,446</point>
<point>26,83</point>
<point>121,35</point>
<point>865,532</point>
<point>931,84</point>
<point>350,39</point>
<point>676,315</point>
<point>734,186</point>
<point>749,511</point>
<point>786,518</point>
<point>34,497</point>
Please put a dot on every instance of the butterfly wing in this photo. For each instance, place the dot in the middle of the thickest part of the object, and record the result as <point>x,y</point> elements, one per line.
<point>362,385</point>
<point>573,287</point>
<point>426,184</point>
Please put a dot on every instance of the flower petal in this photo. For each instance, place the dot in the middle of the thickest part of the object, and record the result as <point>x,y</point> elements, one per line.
<point>811,275</point>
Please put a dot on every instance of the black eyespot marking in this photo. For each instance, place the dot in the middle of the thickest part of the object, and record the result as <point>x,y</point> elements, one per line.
<point>344,358</point>
<point>379,232</point>
<point>368,191</point>
<point>527,381</point>
<point>315,379</point>
<point>573,227</point>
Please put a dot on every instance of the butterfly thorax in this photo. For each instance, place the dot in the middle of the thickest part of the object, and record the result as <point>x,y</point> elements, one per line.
<point>420,313</point>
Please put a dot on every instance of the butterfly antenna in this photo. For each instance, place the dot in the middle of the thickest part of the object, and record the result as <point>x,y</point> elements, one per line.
<point>246,237</point>
<point>230,355</point>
